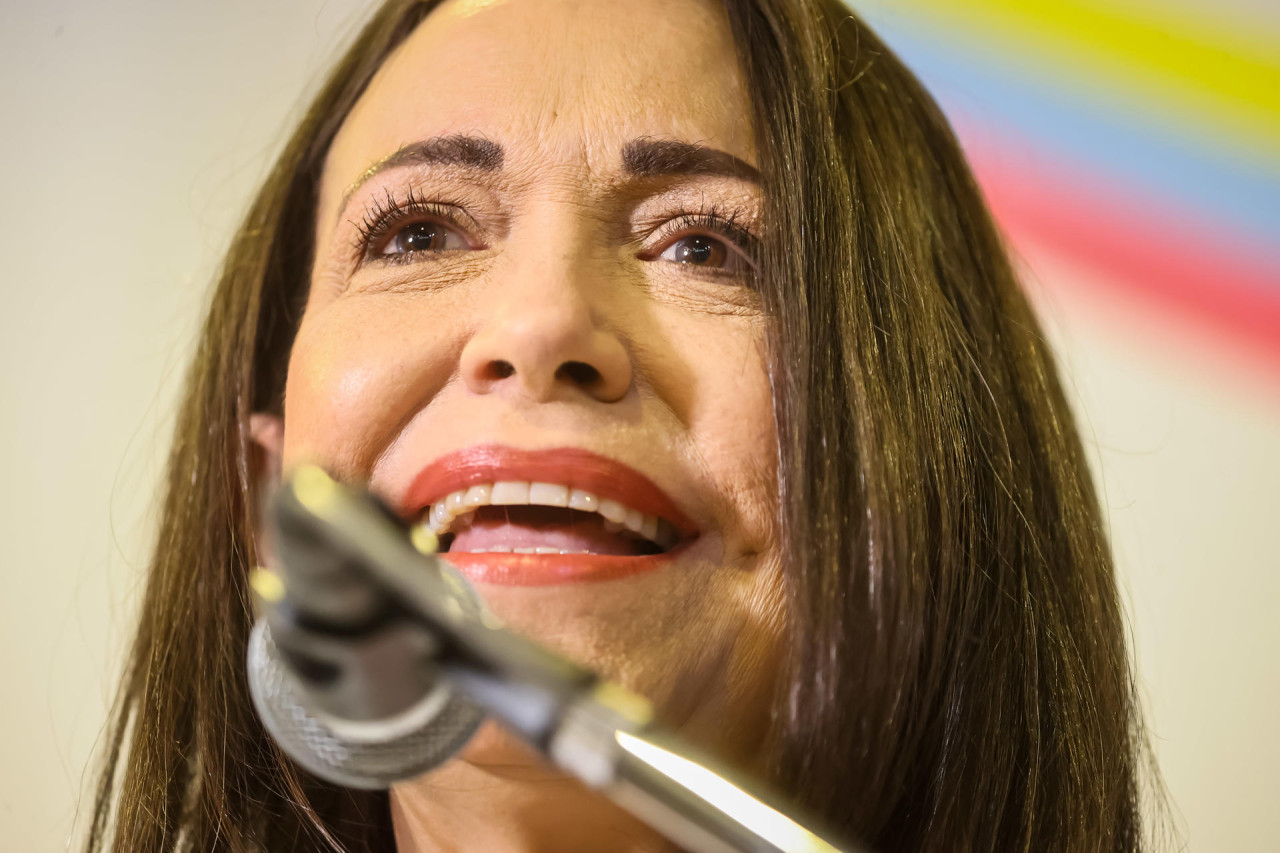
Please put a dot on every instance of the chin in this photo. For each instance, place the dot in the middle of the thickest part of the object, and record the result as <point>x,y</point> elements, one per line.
<point>495,751</point>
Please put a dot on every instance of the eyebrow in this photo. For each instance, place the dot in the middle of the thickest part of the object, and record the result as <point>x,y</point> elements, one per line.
<point>645,157</point>
<point>469,152</point>
<point>660,158</point>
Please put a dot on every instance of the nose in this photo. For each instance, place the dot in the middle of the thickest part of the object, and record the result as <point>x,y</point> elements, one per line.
<point>545,342</point>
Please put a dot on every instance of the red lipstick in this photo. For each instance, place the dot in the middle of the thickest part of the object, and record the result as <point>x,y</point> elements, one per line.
<point>567,466</point>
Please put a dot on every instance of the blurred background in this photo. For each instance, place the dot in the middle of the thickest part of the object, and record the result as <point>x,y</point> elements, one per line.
<point>1129,148</point>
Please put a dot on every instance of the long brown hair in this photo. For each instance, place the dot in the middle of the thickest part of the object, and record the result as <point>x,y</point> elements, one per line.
<point>956,674</point>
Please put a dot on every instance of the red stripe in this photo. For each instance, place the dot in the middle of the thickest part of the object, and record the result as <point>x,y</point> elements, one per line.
<point>1176,262</point>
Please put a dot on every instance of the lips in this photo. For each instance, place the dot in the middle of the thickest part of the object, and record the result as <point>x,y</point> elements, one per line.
<point>512,516</point>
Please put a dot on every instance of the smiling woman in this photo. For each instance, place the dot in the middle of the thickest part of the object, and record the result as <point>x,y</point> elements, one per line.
<point>682,326</point>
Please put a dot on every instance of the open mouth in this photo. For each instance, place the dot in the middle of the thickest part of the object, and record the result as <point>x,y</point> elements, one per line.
<point>519,517</point>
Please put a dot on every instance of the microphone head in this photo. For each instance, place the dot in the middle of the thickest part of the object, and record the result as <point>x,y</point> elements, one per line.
<point>368,754</point>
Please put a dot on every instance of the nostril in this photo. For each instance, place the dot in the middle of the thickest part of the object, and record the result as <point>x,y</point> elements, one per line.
<point>499,369</point>
<point>578,372</point>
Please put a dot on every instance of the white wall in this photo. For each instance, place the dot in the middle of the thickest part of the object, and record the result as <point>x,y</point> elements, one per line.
<point>1184,433</point>
<point>133,133</point>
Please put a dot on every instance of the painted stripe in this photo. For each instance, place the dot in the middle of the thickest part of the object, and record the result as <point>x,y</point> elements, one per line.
<point>1155,255</point>
<point>1164,335</point>
<point>1230,21</point>
<point>1235,83</point>
<point>1168,165</point>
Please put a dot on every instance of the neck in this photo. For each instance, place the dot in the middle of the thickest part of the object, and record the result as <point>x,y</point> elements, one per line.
<point>499,795</point>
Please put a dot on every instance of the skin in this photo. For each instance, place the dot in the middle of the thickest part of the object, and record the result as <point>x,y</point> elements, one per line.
<point>396,364</point>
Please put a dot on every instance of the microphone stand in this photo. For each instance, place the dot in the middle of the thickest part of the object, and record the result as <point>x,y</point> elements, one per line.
<point>348,564</point>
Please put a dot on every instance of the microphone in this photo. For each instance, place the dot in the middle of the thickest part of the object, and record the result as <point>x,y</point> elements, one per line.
<point>374,662</point>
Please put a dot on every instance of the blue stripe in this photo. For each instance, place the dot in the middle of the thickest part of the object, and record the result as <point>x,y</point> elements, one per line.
<point>1118,143</point>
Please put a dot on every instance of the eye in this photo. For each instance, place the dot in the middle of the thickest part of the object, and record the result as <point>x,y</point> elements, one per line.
<point>422,236</point>
<point>703,252</point>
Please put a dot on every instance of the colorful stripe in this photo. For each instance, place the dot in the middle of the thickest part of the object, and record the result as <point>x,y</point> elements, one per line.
<point>1222,76</point>
<point>1170,164</point>
<point>1201,277</point>
<point>1142,143</point>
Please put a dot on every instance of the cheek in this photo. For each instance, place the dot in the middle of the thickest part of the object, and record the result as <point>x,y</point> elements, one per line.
<point>356,369</point>
<point>729,413</point>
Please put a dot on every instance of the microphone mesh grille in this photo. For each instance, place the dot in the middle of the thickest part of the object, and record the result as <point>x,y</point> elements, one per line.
<point>364,763</point>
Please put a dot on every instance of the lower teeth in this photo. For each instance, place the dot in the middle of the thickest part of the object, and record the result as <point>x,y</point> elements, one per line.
<point>500,549</point>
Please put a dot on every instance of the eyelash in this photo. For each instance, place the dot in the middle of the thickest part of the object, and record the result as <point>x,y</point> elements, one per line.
<point>719,222</point>
<point>386,213</point>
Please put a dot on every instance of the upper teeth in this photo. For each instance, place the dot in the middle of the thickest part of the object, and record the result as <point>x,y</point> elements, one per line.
<point>460,505</point>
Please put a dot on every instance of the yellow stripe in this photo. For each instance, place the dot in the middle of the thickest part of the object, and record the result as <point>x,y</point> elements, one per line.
<point>1210,75</point>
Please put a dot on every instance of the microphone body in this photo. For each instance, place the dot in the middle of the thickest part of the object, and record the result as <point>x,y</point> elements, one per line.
<point>377,663</point>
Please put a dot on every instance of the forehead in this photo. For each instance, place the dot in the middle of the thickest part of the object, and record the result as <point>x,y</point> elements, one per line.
<point>559,83</point>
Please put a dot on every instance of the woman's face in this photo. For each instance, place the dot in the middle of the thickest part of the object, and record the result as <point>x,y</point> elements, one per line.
<point>533,266</point>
